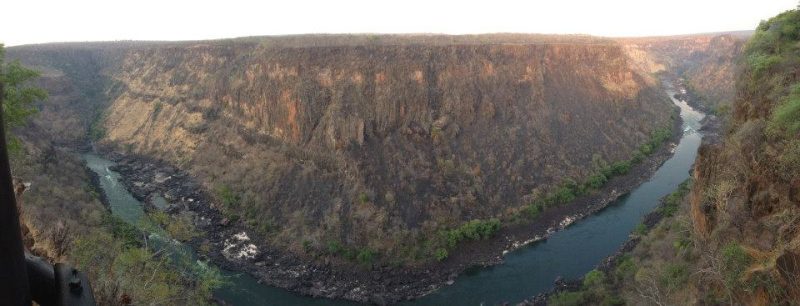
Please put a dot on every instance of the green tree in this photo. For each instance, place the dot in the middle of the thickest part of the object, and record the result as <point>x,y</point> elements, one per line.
<point>18,97</point>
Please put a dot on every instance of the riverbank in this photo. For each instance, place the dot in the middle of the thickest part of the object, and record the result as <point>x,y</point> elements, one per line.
<point>380,284</point>
<point>710,127</point>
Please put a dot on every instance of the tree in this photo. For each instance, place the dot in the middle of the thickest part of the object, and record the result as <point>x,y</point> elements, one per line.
<point>18,97</point>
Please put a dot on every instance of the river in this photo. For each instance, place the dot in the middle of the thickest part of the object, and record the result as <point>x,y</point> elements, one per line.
<point>526,272</point>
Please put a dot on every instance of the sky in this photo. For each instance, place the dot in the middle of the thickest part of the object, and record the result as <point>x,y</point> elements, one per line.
<point>39,21</point>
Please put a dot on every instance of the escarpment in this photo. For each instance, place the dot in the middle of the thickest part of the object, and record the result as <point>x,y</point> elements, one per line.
<point>375,144</point>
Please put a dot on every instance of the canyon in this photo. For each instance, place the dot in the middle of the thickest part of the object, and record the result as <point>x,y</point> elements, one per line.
<point>361,152</point>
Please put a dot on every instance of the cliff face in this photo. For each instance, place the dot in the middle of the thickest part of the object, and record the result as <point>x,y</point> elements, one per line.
<point>374,144</point>
<point>707,62</point>
<point>747,179</point>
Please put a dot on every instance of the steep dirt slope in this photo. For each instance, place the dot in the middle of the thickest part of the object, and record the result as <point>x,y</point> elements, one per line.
<point>373,142</point>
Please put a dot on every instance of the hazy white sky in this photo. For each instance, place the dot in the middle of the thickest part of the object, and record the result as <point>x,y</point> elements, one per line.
<point>36,21</point>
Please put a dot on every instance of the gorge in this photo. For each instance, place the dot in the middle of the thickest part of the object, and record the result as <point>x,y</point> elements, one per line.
<point>350,162</point>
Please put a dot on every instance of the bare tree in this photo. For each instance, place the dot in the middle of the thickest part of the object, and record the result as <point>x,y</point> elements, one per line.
<point>61,239</point>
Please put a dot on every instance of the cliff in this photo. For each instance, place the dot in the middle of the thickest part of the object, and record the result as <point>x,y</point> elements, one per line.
<point>745,198</point>
<point>374,142</point>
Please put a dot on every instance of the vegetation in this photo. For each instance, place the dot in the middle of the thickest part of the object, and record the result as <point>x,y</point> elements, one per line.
<point>179,226</point>
<point>569,190</point>
<point>65,221</point>
<point>228,197</point>
<point>117,260</point>
<point>741,206</point>
<point>302,179</point>
<point>594,290</point>
<point>734,263</point>
<point>671,203</point>
<point>660,264</point>
<point>157,108</point>
<point>69,224</point>
<point>441,254</point>
<point>470,231</point>
<point>18,98</point>
<point>96,129</point>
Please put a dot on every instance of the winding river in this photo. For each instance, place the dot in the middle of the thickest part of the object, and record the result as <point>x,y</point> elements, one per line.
<point>525,272</point>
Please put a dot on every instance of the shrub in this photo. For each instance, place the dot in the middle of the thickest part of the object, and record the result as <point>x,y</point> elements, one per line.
<point>441,254</point>
<point>563,195</point>
<point>597,180</point>
<point>594,278</point>
<point>640,229</point>
<point>673,200</point>
<point>625,267</point>
<point>567,298</point>
<point>787,115</point>
<point>334,247</point>
<point>181,228</point>
<point>620,167</point>
<point>734,263</point>
<point>228,197</point>
<point>472,230</point>
<point>674,276</point>
<point>366,256</point>
<point>646,149</point>
<point>613,301</point>
<point>96,130</point>
<point>122,231</point>
<point>760,63</point>
<point>534,209</point>
<point>363,198</point>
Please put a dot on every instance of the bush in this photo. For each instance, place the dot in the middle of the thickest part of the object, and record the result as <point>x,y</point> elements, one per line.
<point>787,115</point>
<point>472,230</point>
<point>597,180</point>
<point>625,267</point>
<point>594,278</point>
<point>675,276</point>
<point>760,63</point>
<point>122,231</point>
<point>640,229</point>
<point>334,247</point>
<point>441,254</point>
<point>228,198</point>
<point>646,149</point>
<point>564,195</point>
<point>567,298</point>
<point>366,256</point>
<point>363,198</point>
<point>96,130</point>
<point>620,167</point>
<point>673,200</point>
<point>534,209</point>
<point>734,263</point>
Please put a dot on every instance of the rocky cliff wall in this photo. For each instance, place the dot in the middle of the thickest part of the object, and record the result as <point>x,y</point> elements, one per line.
<point>378,143</point>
